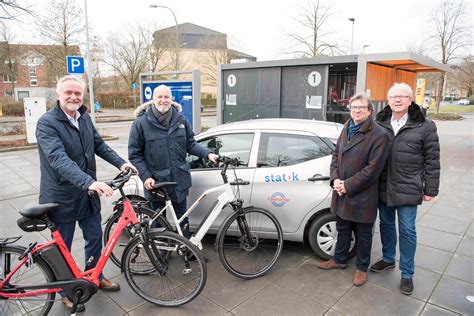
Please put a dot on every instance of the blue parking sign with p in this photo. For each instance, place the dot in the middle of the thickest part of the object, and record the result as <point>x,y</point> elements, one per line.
<point>75,64</point>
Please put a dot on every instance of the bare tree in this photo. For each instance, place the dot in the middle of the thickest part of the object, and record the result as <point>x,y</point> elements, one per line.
<point>8,56</point>
<point>11,10</point>
<point>463,75</point>
<point>451,35</point>
<point>315,18</point>
<point>133,52</point>
<point>62,25</point>
<point>215,52</point>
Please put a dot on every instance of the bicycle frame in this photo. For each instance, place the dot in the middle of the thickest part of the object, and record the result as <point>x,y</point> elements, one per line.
<point>92,275</point>
<point>222,200</point>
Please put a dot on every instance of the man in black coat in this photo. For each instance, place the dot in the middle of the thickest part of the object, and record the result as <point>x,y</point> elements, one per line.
<point>160,138</point>
<point>67,145</point>
<point>357,161</point>
<point>411,175</point>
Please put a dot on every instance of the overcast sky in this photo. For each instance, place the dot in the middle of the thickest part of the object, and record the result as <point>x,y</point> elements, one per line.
<point>259,28</point>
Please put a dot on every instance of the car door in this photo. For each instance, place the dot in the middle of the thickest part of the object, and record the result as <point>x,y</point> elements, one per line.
<point>205,175</point>
<point>285,162</point>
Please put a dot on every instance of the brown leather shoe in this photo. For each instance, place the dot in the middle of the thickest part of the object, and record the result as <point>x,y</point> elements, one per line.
<point>68,303</point>
<point>108,286</point>
<point>359,278</point>
<point>328,265</point>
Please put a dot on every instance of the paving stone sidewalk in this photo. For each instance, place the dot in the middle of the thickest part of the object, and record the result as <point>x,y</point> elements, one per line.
<point>444,275</point>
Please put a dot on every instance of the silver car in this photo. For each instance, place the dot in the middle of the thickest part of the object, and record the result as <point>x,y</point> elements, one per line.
<point>287,165</point>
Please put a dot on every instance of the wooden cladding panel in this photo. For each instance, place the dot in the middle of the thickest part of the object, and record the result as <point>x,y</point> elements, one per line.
<point>379,79</point>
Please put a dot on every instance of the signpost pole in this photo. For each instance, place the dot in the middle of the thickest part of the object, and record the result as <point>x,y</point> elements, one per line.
<point>89,67</point>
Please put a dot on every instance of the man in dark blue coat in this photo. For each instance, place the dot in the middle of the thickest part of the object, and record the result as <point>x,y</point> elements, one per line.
<point>67,145</point>
<point>159,140</point>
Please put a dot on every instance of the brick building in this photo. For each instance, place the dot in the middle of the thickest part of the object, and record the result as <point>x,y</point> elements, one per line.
<point>32,70</point>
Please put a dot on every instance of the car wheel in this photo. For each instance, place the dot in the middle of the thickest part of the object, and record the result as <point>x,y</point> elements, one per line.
<point>323,237</point>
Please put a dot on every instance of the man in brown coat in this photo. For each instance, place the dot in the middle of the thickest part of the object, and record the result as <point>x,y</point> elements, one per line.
<point>357,163</point>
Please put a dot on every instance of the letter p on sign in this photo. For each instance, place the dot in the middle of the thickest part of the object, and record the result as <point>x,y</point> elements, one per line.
<point>75,64</point>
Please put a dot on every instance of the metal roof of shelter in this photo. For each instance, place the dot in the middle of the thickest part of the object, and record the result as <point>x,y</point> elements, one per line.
<point>401,60</point>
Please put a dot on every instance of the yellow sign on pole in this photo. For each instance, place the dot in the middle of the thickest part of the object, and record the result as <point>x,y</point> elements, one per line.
<point>420,91</point>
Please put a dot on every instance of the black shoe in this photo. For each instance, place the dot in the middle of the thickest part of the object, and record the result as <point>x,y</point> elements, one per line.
<point>406,286</point>
<point>381,266</point>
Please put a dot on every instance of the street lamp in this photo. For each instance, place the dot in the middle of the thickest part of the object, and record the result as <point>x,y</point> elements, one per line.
<point>89,67</point>
<point>154,6</point>
<point>352,37</point>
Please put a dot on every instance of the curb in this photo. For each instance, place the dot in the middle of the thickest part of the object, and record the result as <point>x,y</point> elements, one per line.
<point>27,147</point>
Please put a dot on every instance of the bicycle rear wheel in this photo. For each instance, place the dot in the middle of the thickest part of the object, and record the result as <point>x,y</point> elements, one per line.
<point>250,242</point>
<point>129,232</point>
<point>37,273</point>
<point>182,270</point>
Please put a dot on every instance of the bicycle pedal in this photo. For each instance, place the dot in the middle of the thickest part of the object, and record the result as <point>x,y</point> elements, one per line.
<point>187,270</point>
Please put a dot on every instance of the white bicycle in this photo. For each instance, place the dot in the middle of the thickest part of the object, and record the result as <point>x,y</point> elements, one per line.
<point>249,241</point>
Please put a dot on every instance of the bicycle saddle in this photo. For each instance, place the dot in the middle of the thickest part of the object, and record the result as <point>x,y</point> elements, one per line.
<point>38,210</point>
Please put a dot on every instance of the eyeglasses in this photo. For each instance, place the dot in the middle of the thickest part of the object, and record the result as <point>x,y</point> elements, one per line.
<point>394,97</point>
<point>358,107</point>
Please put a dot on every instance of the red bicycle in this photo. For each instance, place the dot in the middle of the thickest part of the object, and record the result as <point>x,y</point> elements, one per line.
<point>161,267</point>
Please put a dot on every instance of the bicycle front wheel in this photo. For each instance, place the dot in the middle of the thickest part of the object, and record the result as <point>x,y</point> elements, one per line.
<point>28,274</point>
<point>181,273</point>
<point>250,242</point>
<point>129,232</point>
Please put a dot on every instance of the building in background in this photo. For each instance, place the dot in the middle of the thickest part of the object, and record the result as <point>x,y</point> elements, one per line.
<point>199,48</point>
<point>32,70</point>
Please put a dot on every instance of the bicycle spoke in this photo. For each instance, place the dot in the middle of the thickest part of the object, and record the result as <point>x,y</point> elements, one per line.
<point>249,256</point>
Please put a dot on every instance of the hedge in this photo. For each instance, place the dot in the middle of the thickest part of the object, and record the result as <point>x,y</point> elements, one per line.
<point>10,107</point>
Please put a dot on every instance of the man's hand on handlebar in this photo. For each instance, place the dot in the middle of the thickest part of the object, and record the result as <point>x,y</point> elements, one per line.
<point>213,157</point>
<point>128,165</point>
<point>101,188</point>
<point>149,183</point>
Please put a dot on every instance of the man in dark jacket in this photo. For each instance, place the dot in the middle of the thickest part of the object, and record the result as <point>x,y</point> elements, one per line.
<point>356,165</point>
<point>159,140</point>
<point>410,176</point>
<point>67,145</point>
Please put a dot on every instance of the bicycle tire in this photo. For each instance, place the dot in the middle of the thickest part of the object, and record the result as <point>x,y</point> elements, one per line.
<point>235,253</point>
<point>176,286</point>
<point>128,233</point>
<point>38,273</point>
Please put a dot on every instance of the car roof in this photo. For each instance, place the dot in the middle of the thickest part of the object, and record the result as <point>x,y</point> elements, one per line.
<point>321,128</point>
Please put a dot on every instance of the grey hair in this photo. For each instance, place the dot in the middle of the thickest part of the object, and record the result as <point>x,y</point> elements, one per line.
<point>162,86</point>
<point>70,78</point>
<point>401,86</point>
<point>362,96</point>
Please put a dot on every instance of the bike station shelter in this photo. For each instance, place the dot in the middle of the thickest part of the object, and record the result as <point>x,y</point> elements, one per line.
<point>185,87</point>
<point>313,88</point>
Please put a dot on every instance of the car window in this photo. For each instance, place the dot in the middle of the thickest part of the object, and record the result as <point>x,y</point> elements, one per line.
<point>230,145</point>
<point>277,150</point>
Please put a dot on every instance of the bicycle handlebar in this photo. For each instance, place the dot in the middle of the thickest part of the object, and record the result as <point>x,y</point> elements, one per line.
<point>230,161</point>
<point>226,161</point>
<point>119,181</point>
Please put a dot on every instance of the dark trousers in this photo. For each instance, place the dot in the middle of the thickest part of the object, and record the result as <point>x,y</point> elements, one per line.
<point>92,233</point>
<point>363,233</point>
<point>180,208</point>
